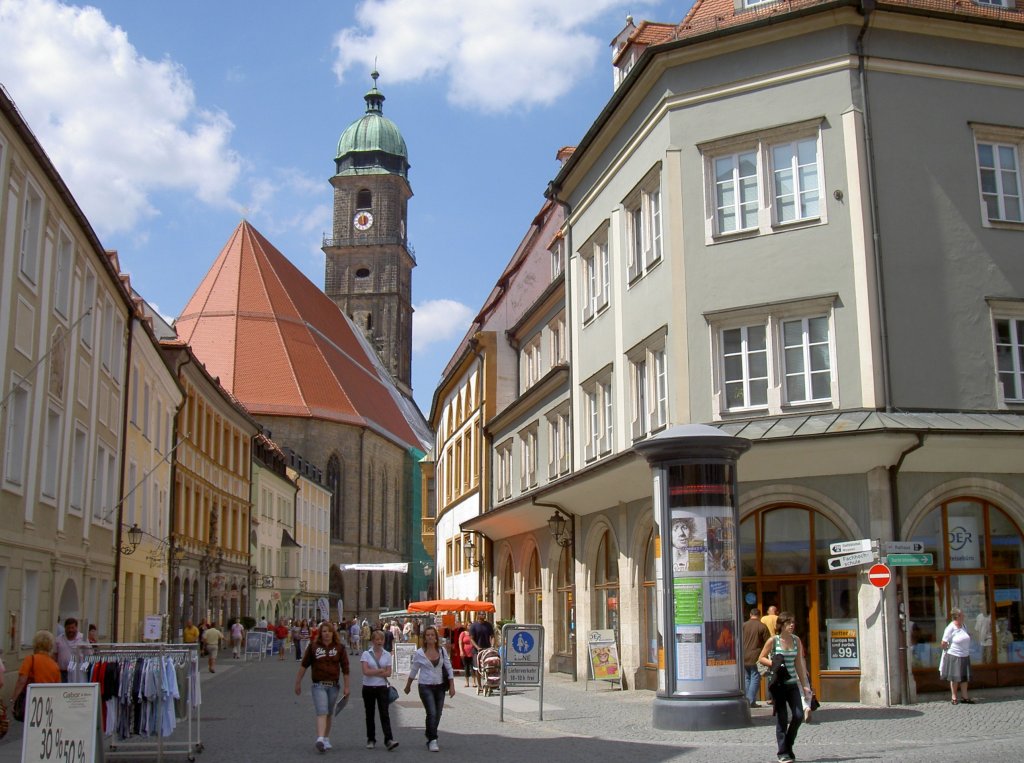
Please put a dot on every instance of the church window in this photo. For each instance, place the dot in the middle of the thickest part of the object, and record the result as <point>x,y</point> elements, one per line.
<point>337,499</point>
<point>363,273</point>
<point>364,199</point>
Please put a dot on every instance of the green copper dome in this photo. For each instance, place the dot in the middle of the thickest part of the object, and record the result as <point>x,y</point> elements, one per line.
<point>372,144</point>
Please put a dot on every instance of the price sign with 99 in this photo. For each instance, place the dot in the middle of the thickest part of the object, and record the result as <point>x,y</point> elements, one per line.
<point>62,723</point>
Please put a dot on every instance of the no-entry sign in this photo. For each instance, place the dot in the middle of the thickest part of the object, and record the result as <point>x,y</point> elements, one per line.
<point>879,575</point>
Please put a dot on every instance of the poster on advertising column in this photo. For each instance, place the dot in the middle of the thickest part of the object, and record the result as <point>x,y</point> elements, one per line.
<point>688,617</point>
<point>719,629</point>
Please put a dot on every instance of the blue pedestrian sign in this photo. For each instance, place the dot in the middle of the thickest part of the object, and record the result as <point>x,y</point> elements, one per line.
<point>523,642</point>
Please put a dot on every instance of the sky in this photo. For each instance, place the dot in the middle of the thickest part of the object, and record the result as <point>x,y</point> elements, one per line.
<point>172,121</point>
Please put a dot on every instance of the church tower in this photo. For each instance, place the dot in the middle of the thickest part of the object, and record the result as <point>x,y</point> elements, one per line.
<point>369,260</point>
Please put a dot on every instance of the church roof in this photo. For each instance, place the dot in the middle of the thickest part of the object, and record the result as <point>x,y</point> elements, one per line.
<point>282,347</point>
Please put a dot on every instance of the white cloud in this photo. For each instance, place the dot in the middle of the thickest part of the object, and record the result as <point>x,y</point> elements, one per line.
<point>496,55</point>
<point>438,320</point>
<point>118,126</point>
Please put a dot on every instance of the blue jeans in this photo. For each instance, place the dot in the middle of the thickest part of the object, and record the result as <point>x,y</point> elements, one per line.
<point>753,683</point>
<point>324,697</point>
<point>432,697</point>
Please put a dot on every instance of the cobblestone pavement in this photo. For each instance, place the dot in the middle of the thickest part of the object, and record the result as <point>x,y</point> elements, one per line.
<point>251,715</point>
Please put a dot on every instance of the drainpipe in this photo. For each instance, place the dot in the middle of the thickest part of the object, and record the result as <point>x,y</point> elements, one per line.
<point>359,528</point>
<point>866,8</point>
<point>115,603</point>
<point>172,515</point>
<point>894,504</point>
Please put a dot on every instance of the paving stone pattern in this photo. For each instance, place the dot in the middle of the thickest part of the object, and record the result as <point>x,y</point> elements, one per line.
<point>251,715</point>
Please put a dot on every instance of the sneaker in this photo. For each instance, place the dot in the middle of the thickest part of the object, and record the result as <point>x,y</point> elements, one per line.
<point>432,746</point>
<point>754,704</point>
<point>320,744</point>
<point>391,744</point>
<point>327,743</point>
<point>370,744</point>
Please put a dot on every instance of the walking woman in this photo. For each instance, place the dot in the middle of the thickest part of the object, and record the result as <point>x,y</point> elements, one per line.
<point>956,659</point>
<point>376,664</point>
<point>328,658</point>
<point>787,693</point>
<point>436,677</point>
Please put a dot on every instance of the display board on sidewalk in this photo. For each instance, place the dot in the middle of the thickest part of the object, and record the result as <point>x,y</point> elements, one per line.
<point>61,723</point>
<point>604,657</point>
<point>402,657</point>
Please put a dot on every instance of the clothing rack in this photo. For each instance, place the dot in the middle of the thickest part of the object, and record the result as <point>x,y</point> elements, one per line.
<point>85,656</point>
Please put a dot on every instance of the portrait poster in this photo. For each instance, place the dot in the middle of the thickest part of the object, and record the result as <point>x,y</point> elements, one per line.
<point>688,536</point>
<point>721,645</point>
<point>604,661</point>
<point>721,544</point>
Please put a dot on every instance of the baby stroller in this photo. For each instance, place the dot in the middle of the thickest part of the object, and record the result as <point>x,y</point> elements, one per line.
<point>488,669</point>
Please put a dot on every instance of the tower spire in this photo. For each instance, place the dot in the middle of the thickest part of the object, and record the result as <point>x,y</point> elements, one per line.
<point>374,98</point>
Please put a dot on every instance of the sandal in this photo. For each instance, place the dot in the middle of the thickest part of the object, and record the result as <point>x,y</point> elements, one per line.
<point>966,701</point>
<point>954,702</point>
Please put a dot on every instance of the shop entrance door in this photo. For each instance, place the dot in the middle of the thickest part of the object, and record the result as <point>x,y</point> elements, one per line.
<point>798,598</point>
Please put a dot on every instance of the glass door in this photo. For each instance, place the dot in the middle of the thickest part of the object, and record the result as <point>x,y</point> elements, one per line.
<point>797,598</point>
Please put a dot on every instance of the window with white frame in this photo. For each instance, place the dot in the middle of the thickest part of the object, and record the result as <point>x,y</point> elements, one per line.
<point>29,605</point>
<point>770,358</point>
<point>117,348</point>
<point>557,258</point>
<point>88,323</point>
<point>1009,337</point>
<point>131,503</point>
<point>558,442</point>
<point>643,226</point>
<point>78,469</point>
<point>998,152</point>
<point>31,232</point>
<point>596,272</point>
<point>648,386</point>
<point>15,444</point>
<point>528,458</point>
<point>531,362</point>
<point>599,412</point>
<point>765,181</point>
<point>556,334</point>
<point>106,333</point>
<point>99,483</point>
<point>62,281</point>
<point>503,453</point>
<point>51,453</point>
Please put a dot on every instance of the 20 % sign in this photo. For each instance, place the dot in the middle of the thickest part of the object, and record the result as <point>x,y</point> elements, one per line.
<point>60,723</point>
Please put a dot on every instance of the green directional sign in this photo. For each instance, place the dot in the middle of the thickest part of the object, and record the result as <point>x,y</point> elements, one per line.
<point>910,560</point>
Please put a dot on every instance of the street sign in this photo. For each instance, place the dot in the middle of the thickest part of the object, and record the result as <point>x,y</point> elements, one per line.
<point>851,560</point>
<point>879,575</point>
<point>850,546</point>
<point>910,560</point>
<point>903,547</point>
<point>522,664</point>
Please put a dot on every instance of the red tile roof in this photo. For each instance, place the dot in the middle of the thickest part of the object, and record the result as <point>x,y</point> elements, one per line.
<point>710,15</point>
<point>281,346</point>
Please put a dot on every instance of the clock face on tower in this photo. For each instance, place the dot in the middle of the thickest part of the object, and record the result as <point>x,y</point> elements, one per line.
<point>363,220</point>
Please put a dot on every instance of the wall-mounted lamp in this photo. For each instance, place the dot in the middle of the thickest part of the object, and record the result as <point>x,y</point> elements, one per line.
<point>556,526</point>
<point>469,549</point>
<point>134,539</point>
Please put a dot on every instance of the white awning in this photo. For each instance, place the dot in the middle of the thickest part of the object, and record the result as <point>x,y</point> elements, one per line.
<point>379,567</point>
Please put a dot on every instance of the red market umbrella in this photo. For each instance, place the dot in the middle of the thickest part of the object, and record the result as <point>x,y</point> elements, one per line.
<point>451,605</point>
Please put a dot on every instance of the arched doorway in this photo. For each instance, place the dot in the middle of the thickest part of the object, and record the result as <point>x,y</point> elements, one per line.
<point>69,606</point>
<point>508,590</point>
<point>606,585</point>
<point>979,567</point>
<point>784,552</point>
<point>565,613</point>
<point>649,640</point>
<point>534,593</point>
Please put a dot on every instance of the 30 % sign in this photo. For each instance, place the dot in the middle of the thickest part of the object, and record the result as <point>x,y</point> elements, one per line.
<point>60,723</point>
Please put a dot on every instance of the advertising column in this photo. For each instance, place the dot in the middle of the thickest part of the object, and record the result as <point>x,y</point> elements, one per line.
<point>700,684</point>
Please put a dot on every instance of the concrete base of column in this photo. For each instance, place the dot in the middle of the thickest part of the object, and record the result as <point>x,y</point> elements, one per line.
<point>701,713</point>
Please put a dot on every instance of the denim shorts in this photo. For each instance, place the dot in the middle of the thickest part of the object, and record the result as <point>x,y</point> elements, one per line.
<point>324,697</point>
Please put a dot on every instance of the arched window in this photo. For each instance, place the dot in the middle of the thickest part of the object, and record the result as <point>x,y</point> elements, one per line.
<point>334,482</point>
<point>371,508</point>
<point>784,552</point>
<point>534,594</point>
<point>565,604</point>
<point>364,199</point>
<point>979,568</point>
<point>649,599</point>
<point>385,505</point>
<point>508,591</point>
<point>606,585</point>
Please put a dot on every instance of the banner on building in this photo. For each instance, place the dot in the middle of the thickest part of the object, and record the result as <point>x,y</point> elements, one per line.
<point>376,567</point>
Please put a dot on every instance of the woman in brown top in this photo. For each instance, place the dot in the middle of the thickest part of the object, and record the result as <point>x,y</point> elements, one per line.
<point>329,661</point>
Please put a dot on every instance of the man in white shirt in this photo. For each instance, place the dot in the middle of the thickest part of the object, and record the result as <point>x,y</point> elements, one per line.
<point>65,644</point>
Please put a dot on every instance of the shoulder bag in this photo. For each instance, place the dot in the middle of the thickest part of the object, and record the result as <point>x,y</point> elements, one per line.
<point>392,691</point>
<point>765,671</point>
<point>18,708</point>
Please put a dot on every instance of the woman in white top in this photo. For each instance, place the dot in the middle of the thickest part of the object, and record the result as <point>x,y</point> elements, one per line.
<point>376,664</point>
<point>956,662</point>
<point>436,676</point>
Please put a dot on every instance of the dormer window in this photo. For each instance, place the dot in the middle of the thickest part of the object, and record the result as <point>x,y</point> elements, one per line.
<point>364,199</point>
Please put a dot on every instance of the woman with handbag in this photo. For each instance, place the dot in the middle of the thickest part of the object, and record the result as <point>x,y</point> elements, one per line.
<point>38,668</point>
<point>790,684</point>
<point>376,663</point>
<point>434,668</point>
<point>955,666</point>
